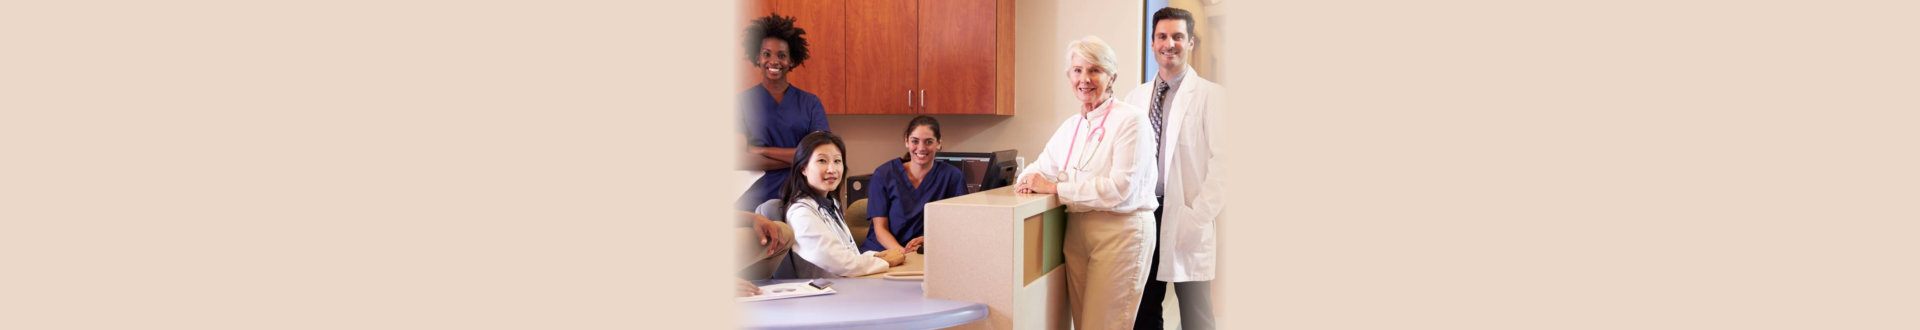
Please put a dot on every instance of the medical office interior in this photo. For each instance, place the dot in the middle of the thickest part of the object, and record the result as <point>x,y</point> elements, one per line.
<point>993,73</point>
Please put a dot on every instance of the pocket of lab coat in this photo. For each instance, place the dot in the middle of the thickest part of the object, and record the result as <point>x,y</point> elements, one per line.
<point>1193,230</point>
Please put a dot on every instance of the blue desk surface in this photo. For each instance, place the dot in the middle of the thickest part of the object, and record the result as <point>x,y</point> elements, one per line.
<point>861,303</point>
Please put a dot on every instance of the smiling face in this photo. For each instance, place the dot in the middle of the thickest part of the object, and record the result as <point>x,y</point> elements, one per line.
<point>824,168</point>
<point>1171,43</point>
<point>1089,81</point>
<point>921,145</point>
<point>774,61</point>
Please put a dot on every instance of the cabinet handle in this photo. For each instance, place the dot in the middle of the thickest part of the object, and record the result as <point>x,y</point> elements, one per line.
<point>923,99</point>
<point>909,99</point>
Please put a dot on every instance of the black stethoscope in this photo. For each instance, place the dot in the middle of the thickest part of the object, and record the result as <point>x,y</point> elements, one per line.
<point>830,209</point>
<point>1102,131</point>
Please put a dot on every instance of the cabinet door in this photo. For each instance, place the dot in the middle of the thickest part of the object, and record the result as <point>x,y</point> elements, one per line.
<point>957,48</point>
<point>750,10</point>
<point>824,74</point>
<point>882,56</point>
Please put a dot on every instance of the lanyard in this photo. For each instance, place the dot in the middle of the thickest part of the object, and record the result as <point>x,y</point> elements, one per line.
<point>1102,130</point>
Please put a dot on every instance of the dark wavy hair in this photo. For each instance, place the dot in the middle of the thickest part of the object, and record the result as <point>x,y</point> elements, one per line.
<point>922,120</point>
<point>796,187</point>
<point>1167,14</point>
<point>776,26</point>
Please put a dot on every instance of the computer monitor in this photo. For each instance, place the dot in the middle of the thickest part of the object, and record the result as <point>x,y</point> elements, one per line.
<point>983,170</point>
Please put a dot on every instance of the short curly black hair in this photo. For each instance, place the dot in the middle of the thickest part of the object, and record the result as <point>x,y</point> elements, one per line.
<point>776,26</point>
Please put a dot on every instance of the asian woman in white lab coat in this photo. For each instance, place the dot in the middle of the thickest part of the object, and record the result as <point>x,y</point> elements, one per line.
<point>1100,164</point>
<point>821,239</point>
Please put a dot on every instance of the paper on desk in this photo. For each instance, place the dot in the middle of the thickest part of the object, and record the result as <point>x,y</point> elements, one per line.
<point>786,290</point>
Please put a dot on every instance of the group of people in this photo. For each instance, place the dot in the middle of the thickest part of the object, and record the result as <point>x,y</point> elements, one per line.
<point>1140,178</point>
<point>786,135</point>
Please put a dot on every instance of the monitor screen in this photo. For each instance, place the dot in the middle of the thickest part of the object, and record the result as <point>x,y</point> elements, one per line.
<point>983,170</point>
<point>974,168</point>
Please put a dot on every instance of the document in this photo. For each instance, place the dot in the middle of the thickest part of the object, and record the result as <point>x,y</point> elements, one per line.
<point>786,290</point>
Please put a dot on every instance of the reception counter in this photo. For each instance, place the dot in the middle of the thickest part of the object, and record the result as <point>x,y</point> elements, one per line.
<point>1002,249</point>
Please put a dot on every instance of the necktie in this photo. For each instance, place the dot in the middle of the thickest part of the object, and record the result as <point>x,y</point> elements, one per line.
<point>1158,115</point>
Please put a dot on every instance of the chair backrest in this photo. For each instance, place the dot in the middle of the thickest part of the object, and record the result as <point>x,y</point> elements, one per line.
<point>772,210</point>
<point>857,222</point>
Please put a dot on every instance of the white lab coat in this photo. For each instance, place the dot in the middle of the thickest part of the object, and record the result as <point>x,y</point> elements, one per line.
<point>825,247</point>
<point>1192,163</point>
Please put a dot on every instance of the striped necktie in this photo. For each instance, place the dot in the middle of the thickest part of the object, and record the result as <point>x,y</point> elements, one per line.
<point>1158,115</point>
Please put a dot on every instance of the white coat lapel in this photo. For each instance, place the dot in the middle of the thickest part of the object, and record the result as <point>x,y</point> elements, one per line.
<point>1176,123</point>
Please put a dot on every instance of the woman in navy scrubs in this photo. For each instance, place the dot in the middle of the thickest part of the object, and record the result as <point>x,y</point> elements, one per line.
<point>902,187</point>
<point>775,115</point>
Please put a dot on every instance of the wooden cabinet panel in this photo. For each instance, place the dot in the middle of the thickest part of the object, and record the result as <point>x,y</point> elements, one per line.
<point>824,74</point>
<point>881,49</point>
<point>1003,59</point>
<point>957,56</point>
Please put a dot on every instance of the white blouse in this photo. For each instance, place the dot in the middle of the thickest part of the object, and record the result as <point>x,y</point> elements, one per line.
<point>1102,161</point>
<point>824,244</point>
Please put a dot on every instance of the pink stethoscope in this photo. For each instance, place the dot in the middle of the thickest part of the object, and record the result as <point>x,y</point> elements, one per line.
<point>1102,130</point>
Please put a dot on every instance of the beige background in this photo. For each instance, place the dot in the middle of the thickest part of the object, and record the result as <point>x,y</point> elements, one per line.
<point>1486,165</point>
<point>1609,165</point>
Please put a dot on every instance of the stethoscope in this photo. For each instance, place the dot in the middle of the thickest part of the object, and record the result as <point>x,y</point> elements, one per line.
<point>829,209</point>
<point>1101,131</point>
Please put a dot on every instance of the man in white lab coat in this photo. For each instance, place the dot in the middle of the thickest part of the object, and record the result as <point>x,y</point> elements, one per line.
<point>1185,111</point>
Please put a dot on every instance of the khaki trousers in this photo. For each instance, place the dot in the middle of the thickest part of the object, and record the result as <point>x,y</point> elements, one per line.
<point>1107,257</point>
<point>752,258</point>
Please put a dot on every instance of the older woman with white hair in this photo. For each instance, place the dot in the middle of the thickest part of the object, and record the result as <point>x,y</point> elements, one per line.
<point>1100,163</point>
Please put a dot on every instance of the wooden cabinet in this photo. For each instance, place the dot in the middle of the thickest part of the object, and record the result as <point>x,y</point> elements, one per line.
<point>883,38</point>
<point>906,57</point>
<point>961,67</point>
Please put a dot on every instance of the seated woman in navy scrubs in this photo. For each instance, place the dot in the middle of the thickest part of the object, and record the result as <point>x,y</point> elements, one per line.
<point>900,190</point>
<point>775,115</point>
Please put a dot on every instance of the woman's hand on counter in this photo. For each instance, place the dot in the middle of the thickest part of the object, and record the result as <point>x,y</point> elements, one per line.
<point>914,245</point>
<point>1035,184</point>
<point>894,257</point>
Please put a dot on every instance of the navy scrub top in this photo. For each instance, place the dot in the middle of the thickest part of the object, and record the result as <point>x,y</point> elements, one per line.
<point>776,124</point>
<point>892,195</point>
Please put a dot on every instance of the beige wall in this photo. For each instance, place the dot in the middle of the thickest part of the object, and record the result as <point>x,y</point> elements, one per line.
<point>1041,32</point>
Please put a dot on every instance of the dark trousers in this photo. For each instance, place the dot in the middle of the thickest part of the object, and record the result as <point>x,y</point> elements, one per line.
<point>1196,298</point>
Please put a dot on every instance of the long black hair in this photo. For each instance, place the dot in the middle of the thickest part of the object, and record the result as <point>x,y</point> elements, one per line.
<point>796,187</point>
<point>922,120</point>
<point>776,26</point>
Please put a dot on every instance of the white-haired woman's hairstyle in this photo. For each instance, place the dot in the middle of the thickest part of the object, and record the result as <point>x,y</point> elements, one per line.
<point>1096,51</point>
